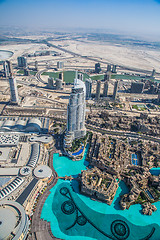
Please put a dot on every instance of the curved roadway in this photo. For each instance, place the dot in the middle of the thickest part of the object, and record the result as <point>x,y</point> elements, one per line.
<point>95,60</point>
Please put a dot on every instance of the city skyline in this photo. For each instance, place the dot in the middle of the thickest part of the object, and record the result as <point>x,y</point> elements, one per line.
<point>138,17</point>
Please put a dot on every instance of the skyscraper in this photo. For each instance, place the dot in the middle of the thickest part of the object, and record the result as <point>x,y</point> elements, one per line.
<point>114,69</point>
<point>159,96</point>
<point>109,68</point>
<point>22,62</point>
<point>60,65</point>
<point>97,68</point>
<point>107,77</point>
<point>26,72</point>
<point>80,76</point>
<point>137,87</point>
<point>14,91</point>
<point>88,84</point>
<point>51,82</point>
<point>59,84</point>
<point>153,73</point>
<point>76,110</point>
<point>105,90</point>
<point>115,90</point>
<point>36,66</point>
<point>6,69</point>
<point>61,75</point>
<point>10,67</point>
<point>98,90</point>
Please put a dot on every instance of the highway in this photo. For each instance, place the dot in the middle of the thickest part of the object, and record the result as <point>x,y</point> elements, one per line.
<point>38,76</point>
<point>95,60</point>
<point>124,134</point>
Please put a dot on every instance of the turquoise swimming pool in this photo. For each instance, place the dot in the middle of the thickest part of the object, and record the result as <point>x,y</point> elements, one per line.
<point>155,171</point>
<point>79,152</point>
<point>76,217</point>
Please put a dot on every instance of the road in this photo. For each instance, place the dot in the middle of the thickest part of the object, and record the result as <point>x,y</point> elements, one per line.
<point>38,76</point>
<point>95,60</point>
<point>117,133</point>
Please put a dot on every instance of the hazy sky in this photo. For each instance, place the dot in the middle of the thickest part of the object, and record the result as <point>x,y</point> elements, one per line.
<point>139,16</point>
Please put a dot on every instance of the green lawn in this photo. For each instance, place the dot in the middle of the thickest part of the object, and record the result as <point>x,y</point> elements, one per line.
<point>139,107</point>
<point>21,72</point>
<point>31,72</point>
<point>120,76</point>
<point>98,77</point>
<point>68,75</point>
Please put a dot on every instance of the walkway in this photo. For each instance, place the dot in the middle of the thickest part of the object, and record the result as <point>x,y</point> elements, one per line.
<point>41,229</point>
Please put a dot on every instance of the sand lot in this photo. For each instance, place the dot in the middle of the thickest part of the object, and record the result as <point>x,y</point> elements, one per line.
<point>129,56</point>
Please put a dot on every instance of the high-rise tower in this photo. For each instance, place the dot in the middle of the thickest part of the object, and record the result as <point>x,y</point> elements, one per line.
<point>114,69</point>
<point>80,76</point>
<point>98,90</point>
<point>10,67</point>
<point>61,76</point>
<point>22,62</point>
<point>153,73</point>
<point>36,66</point>
<point>6,69</point>
<point>107,77</point>
<point>97,68</point>
<point>115,90</point>
<point>88,84</point>
<point>14,91</point>
<point>109,68</point>
<point>105,90</point>
<point>51,82</point>
<point>76,110</point>
<point>158,96</point>
<point>60,65</point>
<point>59,83</point>
<point>137,87</point>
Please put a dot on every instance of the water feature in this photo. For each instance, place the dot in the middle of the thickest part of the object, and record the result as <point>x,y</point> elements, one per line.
<point>134,159</point>
<point>4,55</point>
<point>65,166</point>
<point>155,171</point>
<point>76,217</point>
<point>79,152</point>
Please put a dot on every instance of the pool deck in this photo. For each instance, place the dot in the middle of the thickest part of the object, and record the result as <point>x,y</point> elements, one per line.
<point>41,229</point>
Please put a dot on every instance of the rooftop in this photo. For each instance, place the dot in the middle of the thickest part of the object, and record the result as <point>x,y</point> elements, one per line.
<point>9,139</point>
<point>43,171</point>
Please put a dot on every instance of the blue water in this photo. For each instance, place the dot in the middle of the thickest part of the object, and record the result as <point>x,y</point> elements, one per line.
<point>65,166</point>
<point>134,159</point>
<point>155,171</point>
<point>51,210</point>
<point>134,156</point>
<point>79,152</point>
